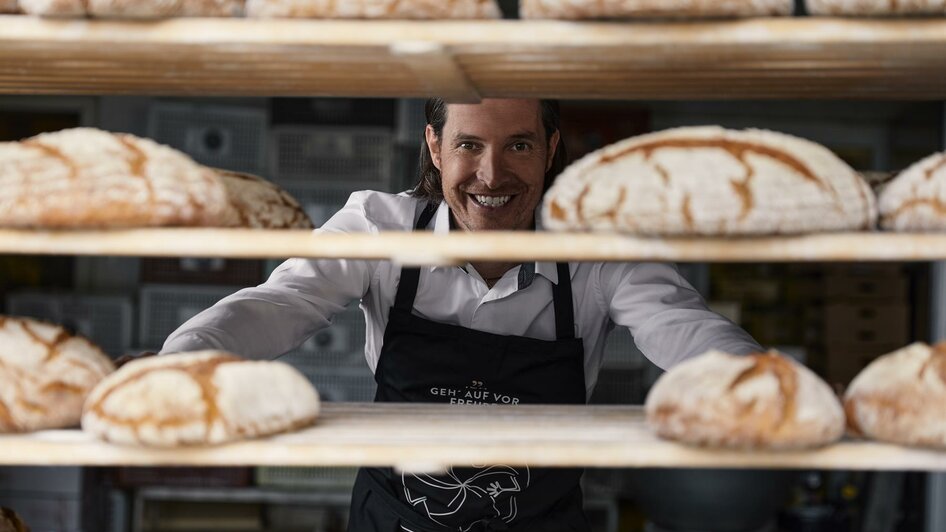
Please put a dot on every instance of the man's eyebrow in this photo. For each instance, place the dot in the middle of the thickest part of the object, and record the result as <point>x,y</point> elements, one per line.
<point>522,135</point>
<point>465,137</point>
<point>525,135</point>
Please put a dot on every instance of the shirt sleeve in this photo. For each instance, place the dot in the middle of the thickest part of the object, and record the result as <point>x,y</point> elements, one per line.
<point>666,315</point>
<point>299,298</point>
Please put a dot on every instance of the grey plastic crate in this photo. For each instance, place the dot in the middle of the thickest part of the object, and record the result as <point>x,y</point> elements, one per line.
<point>106,320</point>
<point>229,137</point>
<point>620,351</point>
<point>163,308</point>
<point>331,156</point>
<point>340,479</point>
<point>341,345</point>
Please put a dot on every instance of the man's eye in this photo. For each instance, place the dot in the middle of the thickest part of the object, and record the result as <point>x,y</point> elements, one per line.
<point>467,146</point>
<point>521,146</point>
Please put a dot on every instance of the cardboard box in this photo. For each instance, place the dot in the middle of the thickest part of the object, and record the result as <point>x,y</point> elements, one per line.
<point>865,326</point>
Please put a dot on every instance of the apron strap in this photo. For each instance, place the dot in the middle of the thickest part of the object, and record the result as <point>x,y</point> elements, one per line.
<point>561,292</point>
<point>562,302</point>
<point>410,277</point>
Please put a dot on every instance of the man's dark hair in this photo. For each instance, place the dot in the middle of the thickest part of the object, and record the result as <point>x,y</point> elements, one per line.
<point>430,187</point>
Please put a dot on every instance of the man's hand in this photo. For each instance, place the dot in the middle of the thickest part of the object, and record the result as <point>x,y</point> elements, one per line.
<point>124,359</point>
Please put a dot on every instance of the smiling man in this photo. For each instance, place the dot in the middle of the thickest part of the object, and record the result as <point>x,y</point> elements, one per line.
<point>483,334</point>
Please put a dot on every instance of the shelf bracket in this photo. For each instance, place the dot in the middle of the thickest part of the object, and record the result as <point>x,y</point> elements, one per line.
<point>437,71</point>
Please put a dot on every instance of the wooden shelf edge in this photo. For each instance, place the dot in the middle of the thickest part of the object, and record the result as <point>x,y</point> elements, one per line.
<point>459,248</point>
<point>430,438</point>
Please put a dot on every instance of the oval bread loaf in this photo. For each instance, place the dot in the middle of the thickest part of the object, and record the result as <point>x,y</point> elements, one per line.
<point>900,397</point>
<point>204,397</point>
<point>45,375</point>
<point>710,181</point>
<point>591,9</point>
<point>374,9</point>
<point>916,199</point>
<point>760,401</point>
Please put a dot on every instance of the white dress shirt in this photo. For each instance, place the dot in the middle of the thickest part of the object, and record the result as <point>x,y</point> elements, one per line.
<point>667,317</point>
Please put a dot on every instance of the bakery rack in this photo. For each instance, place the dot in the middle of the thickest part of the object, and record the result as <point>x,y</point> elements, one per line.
<point>798,58</point>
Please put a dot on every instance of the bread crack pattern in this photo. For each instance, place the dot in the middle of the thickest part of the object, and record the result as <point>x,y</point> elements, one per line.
<point>710,181</point>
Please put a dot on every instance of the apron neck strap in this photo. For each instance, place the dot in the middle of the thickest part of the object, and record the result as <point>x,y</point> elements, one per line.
<point>561,292</point>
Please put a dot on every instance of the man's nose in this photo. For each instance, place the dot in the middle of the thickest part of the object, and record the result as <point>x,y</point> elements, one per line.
<point>492,170</point>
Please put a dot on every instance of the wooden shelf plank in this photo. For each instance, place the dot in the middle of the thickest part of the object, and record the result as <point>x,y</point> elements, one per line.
<point>459,248</point>
<point>802,57</point>
<point>428,438</point>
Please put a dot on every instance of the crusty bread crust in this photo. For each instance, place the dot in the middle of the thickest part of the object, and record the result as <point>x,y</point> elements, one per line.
<point>45,374</point>
<point>204,397</point>
<point>374,9</point>
<point>875,7</point>
<point>594,9</point>
<point>759,401</point>
<point>710,181</point>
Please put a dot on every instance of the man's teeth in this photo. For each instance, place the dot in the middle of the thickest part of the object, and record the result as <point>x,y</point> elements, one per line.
<point>493,201</point>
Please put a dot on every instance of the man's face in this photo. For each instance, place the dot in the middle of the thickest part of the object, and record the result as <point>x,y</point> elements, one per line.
<point>492,159</point>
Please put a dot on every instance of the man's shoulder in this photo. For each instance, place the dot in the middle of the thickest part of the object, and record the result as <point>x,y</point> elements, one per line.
<point>384,210</point>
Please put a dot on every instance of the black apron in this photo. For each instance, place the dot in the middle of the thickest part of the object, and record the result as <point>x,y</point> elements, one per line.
<point>425,361</point>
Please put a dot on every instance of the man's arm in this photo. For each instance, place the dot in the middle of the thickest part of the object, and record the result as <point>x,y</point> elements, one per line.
<point>300,297</point>
<point>667,317</point>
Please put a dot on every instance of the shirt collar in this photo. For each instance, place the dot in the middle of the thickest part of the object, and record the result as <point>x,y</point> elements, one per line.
<point>527,271</point>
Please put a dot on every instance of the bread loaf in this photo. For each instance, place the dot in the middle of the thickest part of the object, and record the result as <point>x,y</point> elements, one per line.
<point>876,7</point>
<point>374,9</point>
<point>11,522</point>
<point>899,397</point>
<point>710,181</point>
<point>134,8</point>
<point>761,401</point>
<point>45,375</point>
<point>258,203</point>
<point>591,9</point>
<point>916,199</point>
<point>80,178</point>
<point>9,6</point>
<point>204,397</point>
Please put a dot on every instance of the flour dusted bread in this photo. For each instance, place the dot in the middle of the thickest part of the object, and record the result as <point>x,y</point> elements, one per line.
<point>710,181</point>
<point>374,9</point>
<point>876,7</point>
<point>134,8</point>
<point>591,9</point>
<point>900,397</point>
<point>759,401</point>
<point>85,177</point>
<point>916,199</point>
<point>45,375</point>
<point>258,203</point>
<point>203,397</point>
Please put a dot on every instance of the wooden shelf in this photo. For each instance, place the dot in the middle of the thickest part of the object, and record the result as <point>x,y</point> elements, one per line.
<point>429,438</point>
<point>459,248</point>
<point>756,58</point>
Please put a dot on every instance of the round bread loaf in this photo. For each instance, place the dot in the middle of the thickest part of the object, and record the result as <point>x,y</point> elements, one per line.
<point>591,9</point>
<point>900,397</point>
<point>759,401</point>
<point>710,181</point>
<point>204,397</point>
<point>85,177</point>
<point>875,7</point>
<point>45,375</point>
<point>916,199</point>
<point>134,9</point>
<point>258,203</point>
<point>9,6</point>
<point>374,9</point>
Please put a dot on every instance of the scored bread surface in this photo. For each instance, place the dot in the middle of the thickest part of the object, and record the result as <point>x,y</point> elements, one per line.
<point>761,401</point>
<point>45,374</point>
<point>591,9</point>
<point>204,397</point>
<point>899,397</point>
<point>710,181</point>
<point>916,199</point>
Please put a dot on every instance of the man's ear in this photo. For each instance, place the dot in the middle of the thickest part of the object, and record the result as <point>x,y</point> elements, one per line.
<point>553,147</point>
<point>433,145</point>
